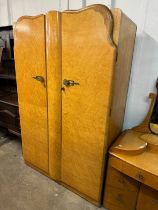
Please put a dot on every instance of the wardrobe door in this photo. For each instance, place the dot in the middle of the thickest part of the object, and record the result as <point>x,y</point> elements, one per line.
<point>88,58</point>
<point>29,34</point>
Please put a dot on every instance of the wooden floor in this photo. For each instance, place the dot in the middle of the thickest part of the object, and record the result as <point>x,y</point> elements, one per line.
<point>22,188</point>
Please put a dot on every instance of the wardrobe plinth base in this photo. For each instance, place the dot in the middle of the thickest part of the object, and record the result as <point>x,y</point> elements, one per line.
<point>63,184</point>
<point>81,195</point>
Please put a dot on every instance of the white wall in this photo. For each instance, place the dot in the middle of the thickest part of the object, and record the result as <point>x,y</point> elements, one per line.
<point>30,7</point>
<point>4,12</point>
<point>145,62</point>
<point>11,10</point>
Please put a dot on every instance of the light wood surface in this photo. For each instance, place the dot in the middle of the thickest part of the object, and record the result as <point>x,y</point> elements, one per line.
<point>124,34</point>
<point>84,119</point>
<point>29,34</point>
<point>141,167</point>
<point>148,199</point>
<point>146,175</point>
<point>54,74</point>
<point>130,142</point>
<point>89,104</point>
<point>121,198</point>
<point>151,140</point>
<point>121,181</point>
<point>88,59</point>
<point>121,191</point>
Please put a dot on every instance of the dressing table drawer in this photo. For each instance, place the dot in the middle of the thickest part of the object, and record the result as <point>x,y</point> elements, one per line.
<point>120,197</point>
<point>148,199</point>
<point>117,179</point>
<point>120,191</point>
<point>132,171</point>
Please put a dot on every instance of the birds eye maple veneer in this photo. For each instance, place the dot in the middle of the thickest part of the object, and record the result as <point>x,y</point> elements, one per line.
<point>72,71</point>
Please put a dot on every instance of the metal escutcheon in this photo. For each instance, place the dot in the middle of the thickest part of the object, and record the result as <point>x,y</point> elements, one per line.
<point>40,79</point>
<point>69,82</point>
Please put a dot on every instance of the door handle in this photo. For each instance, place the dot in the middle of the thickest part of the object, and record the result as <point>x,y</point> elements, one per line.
<point>40,79</point>
<point>69,82</point>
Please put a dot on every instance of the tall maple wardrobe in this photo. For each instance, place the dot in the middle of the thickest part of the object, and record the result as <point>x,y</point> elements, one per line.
<point>72,71</point>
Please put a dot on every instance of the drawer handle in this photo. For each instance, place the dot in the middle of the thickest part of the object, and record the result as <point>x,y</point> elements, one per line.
<point>8,112</point>
<point>140,177</point>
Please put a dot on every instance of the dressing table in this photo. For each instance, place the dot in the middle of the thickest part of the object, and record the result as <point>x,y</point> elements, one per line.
<point>132,177</point>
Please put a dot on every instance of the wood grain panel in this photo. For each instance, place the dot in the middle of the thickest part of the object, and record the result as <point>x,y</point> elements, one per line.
<point>74,151</point>
<point>119,180</point>
<point>29,34</point>
<point>124,37</point>
<point>54,73</point>
<point>148,199</point>
<point>121,191</point>
<point>88,59</point>
<point>136,167</point>
<point>120,198</point>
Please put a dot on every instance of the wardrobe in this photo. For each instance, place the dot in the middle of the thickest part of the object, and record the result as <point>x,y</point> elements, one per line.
<point>72,72</point>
